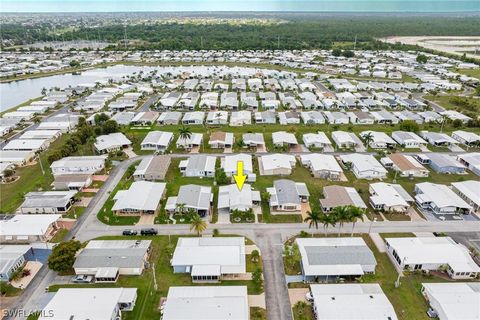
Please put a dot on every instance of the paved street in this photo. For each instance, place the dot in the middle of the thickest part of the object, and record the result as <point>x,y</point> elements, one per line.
<point>268,237</point>
<point>276,292</point>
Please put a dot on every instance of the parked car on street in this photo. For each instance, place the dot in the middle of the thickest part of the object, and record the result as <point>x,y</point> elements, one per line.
<point>149,232</point>
<point>129,232</point>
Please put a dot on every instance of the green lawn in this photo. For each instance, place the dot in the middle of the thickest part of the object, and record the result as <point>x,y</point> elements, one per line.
<point>59,236</point>
<point>8,291</point>
<point>303,311</point>
<point>450,102</point>
<point>470,72</point>
<point>32,178</point>
<point>148,297</point>
<point>407,299</point>
<point>106,215</point>
<point>75,212</point>
<point>257,313</point>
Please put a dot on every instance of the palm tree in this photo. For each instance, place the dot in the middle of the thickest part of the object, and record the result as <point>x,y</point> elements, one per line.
<point>197,224</point>
<point>328,220</point>
<point>313,218</point>
<point>341,215</point>
<point>368,138</point>
<point>354,213</point>
<point>184,133</point>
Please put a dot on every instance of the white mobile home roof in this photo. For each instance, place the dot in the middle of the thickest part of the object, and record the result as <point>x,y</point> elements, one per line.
<point>116,139</point>
<point>313,138</point>
<point>470,188</point>
<point>433,250</point>
<point>15,156</point>
<point>229,163</point>
<point>142,195</point>
<point>27,224</point>
<point>226,252</point>
<point>160,138</point>
<point>454,301</point>
<point>363,162</point>
<point>40,134</point>
<point>319,162</point>
<point>275,161</point>
<point>87,303</point>
<point>282,137</point>
<point>212,303</point>
<point>25,144</point>
<point>335,256</point>
<point>439,194</point>
<point>351,301</point>
<point>231,197</point>
<point>390,194</point>
<point>343,137</point>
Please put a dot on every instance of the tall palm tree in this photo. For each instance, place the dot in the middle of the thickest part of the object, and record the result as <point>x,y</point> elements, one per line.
<point>313,218</point>
<point>354,213</point>
<point>368,138</point>
<point>197,224</point>
<point>184,133</point>
<point>341,216</point>
<point>328,220</point>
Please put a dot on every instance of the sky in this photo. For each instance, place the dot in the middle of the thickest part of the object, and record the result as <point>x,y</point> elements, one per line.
<point>243,5</point>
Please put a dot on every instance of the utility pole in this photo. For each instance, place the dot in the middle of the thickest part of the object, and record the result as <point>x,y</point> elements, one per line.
<point>201,42</point>
<point>278,42</point>
<point>41,164</point>
<point>355,43</point>
<point>154,278</point>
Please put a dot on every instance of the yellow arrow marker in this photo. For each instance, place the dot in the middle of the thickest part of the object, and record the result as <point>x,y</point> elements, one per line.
<point>240,177</point>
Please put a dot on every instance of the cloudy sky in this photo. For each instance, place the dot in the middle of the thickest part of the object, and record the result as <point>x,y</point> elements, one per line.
<point>243,5</point>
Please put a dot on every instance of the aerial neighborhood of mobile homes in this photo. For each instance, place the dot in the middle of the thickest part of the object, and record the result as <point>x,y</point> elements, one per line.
<point>257,153</point>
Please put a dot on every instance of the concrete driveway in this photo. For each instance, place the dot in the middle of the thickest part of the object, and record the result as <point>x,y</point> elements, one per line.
<point>297,295</point>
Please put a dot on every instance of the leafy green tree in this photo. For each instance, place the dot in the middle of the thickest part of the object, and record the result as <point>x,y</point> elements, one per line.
<point>409,125</point>
<point>101,118</point>
<point>421,58</point>
<point>63,256</point>
<point>110,126</point>
<point>348,54</point>
<point>336,52</point>
<point>221,176</point>
<point>255,256</point>
<point>74,63</point>
<point>257,278</point>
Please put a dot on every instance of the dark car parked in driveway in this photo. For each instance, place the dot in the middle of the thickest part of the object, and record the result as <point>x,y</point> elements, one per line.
<point>149,232</point>
<point>130,232</point>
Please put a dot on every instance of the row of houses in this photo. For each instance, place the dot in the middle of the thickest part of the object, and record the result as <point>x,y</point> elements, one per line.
<point>313,117</point>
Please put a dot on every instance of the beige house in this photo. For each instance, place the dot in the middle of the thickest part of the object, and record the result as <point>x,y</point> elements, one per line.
<point>276,164</point>
<point>338,196</point>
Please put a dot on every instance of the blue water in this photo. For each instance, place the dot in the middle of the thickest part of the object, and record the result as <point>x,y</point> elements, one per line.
<point>244,5</point>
